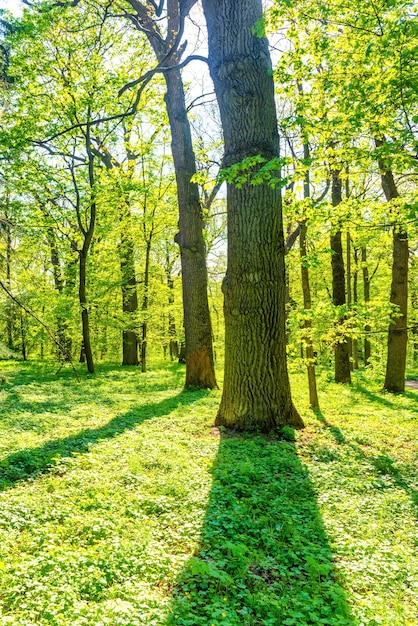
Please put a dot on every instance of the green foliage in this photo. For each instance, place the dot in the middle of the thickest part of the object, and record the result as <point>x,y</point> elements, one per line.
<point>121,504</point>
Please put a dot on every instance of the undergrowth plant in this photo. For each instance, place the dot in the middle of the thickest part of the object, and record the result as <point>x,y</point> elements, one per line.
<point>121,504</point>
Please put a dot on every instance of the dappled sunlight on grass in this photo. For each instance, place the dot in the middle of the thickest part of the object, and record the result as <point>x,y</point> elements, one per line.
<point>122,505</point>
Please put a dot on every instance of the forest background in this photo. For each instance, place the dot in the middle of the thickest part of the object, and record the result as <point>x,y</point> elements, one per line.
<point>121,503</point>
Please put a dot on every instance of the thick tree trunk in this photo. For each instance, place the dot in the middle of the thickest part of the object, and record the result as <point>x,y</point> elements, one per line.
<point>342,357</point>
<point>397,334</point>
<point>256,393</point>
<point>366,294</point>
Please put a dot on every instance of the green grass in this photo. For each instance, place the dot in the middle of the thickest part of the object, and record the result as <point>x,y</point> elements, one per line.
<point>120,504</point>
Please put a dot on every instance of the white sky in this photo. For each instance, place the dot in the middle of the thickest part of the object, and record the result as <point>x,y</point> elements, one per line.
<point>14,6</point>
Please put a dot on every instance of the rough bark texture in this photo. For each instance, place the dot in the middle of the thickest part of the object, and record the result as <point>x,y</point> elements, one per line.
<point>342,357</point>
<point>397,334</point>
<point>256,393</point>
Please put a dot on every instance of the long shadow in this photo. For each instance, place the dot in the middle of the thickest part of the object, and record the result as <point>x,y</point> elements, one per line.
<point>31,462</point>
<point>380,398</point>
<point>383,464</point>
<point>264,558</point>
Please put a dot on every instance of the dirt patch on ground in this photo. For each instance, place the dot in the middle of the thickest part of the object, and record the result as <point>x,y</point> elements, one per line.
<point>413,384</point>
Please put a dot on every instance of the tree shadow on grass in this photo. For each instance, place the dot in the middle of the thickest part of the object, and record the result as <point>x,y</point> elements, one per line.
<point>383,465</point>
<point>383,396</point>
<point>31,462</point>
<point>264,557</point>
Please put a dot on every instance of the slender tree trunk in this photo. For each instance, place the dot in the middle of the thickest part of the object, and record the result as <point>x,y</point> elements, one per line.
<point>200,370</point>
<point>144,308</point>
<point>366,292</point>
<point>397,333</point>
<point>307,305</point>
<point>349,293</point>
<point>85,322</point>
<point>9,309</point>
<point>306,289</point>
<point>64,349</point>
<point>23,335</point>
<point>256,393</point>
<point>128,286</point>
<point>198,331</point>
<point>342,357</point>
<point>355,300</point>
<point>172,334</point>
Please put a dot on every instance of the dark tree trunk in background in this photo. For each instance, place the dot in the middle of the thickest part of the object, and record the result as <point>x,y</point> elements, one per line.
<point>355,300</point>
<point>9,306</point>
<point>397,334</point>
<point>172,333</point>
<point>342,357</point>
<point>144,308</point>
<point>197,325</point>
<point>128,285</point>
<point>85,322</point>
<point>307,305</point>
<point>366,292</point>
<point>256,393</point>
<point>64,348</point>
<point>349,292</point>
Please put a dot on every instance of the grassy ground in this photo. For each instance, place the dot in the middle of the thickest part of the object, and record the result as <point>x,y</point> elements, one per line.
<point>120,504</point>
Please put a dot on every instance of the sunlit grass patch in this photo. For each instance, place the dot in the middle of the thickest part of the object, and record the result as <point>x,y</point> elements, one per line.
<point>121,504</point>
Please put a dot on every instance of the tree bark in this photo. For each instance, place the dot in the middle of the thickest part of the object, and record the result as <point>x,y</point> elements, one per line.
<point>397,333</point>
<point>342,357</point>
<point>366,295</point>
<point>256,393</point>
<point>200,370</point>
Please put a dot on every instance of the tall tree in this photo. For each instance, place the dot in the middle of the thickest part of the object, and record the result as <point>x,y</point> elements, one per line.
<point>256,393</point>
<point>197,324</point>
<point>397,334</point>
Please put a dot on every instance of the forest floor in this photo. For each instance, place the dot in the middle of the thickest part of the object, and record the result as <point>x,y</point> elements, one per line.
<point>121,504</point>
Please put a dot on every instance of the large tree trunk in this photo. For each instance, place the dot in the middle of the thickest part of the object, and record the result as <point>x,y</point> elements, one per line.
<point>342,357</point>
<point>256,393</point>
<point>397,334</point>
